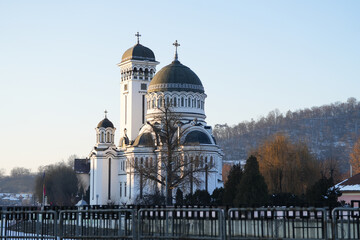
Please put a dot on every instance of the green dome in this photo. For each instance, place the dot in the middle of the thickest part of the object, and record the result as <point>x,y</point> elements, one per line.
<point>175,77</point>
<point>138,52</point>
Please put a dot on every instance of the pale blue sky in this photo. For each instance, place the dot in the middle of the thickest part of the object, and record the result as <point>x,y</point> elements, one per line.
<point>58,63</point>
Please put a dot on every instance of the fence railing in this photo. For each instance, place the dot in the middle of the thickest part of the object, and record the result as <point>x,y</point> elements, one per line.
<point>346,223</point>
<point>277,223</point>
<point>180,223</point>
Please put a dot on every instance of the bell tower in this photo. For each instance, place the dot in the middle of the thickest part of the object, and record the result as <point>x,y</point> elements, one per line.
<point>137,67</point>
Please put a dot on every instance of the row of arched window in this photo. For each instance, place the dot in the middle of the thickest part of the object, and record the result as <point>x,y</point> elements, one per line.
<point>191,161</point>
<point>103,137</point>
<point>137,74</point>
<point>189,102</point>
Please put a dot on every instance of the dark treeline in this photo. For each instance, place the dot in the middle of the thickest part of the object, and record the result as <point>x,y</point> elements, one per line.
<point>330,131</point>
<point>20,180</point>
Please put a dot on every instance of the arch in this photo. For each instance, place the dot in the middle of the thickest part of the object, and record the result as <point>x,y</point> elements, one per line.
<point>197,137</point>
<point>182,101</point>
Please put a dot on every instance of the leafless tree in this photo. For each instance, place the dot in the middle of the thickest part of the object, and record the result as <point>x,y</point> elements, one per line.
<point>175,166</point>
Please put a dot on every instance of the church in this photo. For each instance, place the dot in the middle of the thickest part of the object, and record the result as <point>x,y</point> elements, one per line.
<point>165,143</point>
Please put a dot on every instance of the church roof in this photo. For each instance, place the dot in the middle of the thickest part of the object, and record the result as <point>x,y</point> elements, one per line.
<point>138,52</point>
<point>105,123</point>
<point>176,77</point>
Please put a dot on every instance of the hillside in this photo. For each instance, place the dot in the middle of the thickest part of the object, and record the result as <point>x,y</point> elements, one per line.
<point>330,131</point>
<point>17,184</point>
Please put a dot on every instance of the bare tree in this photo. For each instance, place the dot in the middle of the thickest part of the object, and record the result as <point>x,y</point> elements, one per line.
<point>174,167</point>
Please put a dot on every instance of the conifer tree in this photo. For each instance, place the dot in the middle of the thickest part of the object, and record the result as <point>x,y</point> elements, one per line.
<point>252,189</point>
<point>231,184</point>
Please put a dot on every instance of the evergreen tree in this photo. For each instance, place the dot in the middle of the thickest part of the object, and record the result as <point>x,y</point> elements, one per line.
<point>200,197</point>
<point>252,189</point>
<point>231,184</point>
<point>179,198</point>
<point>323,193</point>
<point>217,196</point>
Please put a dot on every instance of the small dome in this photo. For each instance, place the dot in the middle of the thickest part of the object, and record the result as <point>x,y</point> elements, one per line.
<point>176,77</point>
<point>138,52</point>
<point>105,123</point>
<point>196,137</point>
<point>145,140</point>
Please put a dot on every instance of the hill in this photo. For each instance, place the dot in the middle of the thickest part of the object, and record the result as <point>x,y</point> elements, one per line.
<point>330,131</point>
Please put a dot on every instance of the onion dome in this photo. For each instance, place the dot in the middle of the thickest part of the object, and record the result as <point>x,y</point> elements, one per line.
<point>105,123</point>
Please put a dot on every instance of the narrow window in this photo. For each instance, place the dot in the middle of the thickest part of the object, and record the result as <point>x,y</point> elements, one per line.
<point>108,137</point>
<point>143,109</point>
<point>182,101</point>
<point>125,87</point>
<point>120,189</point>
<point>125,109</point>
<point>143,86</point>
<point>174,101</point>
<point>109,185</point>
<point>102,137</point>
<point>125,189</point>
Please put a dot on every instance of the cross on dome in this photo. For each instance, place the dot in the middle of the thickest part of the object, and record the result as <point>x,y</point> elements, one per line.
<point>176,44</point>
<point>138,37</point>
<point>105,113</point>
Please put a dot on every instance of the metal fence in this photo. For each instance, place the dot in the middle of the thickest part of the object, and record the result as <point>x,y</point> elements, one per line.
<point>180,223</point>
<point>346,223</point>
<point>277,223</point>
<point>28,224</point>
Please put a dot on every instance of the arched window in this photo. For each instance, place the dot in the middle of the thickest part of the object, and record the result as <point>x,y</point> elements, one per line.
<point>151,162</point>
<point>201,161</point>
<point>146,162</point>
<point>102,137</point>
<point>141,161</point>
<point>160,101</point>
<point>135,73</point>
<point>167,101</point>
<point>182,101</point>
<point>153,103</point>
<point>174,101</point>
<point>108,137</point>
<point>189,102</point>
<point>197,161</point>
<point>136,161</point>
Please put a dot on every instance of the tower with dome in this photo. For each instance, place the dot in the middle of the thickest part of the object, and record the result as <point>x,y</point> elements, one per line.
<point>141,163</point>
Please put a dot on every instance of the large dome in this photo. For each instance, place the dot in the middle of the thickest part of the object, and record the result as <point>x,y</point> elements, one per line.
<point>138,52</point>
<point>175,77</point>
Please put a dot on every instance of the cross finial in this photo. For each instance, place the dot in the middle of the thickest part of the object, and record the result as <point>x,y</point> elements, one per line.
<point>105,113</point>
<point>138,37</point>
<point>176,44</point>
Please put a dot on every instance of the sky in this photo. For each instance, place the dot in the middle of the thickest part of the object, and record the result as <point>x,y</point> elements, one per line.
<point>58,63</point>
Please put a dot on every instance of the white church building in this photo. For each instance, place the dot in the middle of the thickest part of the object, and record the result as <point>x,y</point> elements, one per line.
<point>113,177</point>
